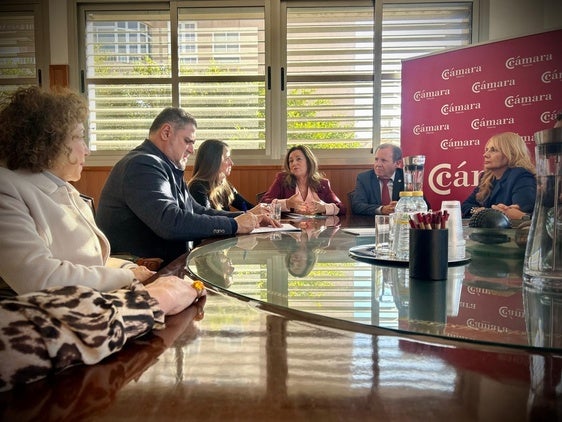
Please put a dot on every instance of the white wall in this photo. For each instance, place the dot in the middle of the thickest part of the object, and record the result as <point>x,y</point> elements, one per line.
<point>512,18</point>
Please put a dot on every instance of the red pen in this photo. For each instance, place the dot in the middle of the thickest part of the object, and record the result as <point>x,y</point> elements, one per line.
<point>412,223</point>
<point>428,221</point>
<point>444,219</point>
<point>420,221</point>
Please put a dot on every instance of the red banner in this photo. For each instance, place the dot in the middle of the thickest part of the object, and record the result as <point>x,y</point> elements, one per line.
<point>454,101</point>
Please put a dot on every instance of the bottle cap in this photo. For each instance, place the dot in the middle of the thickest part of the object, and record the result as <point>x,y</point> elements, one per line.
<point>405,193</point>
<point>417,193</point>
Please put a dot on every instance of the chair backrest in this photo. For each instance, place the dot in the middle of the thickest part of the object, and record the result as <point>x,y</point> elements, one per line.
<point>349,199</point>
<point>259,196</point>
<point>90,201</point>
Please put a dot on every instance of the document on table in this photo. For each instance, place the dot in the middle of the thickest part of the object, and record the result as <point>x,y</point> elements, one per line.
<point>285,227</point>
<point>361,231</point>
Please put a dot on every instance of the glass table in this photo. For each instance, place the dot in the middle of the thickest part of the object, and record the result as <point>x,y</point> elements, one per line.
<point>311,272</point>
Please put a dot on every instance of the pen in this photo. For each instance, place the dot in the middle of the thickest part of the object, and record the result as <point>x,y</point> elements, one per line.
<point>429,221</point>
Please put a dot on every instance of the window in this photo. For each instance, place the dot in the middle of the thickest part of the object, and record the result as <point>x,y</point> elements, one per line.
<point>263,74</point>
<point>410,30</point>
<point>226,47</point>
<point>131,73</point>
<point>225,87</point>
<point>187,43</point>
<point>330,76</point>
<point>22,54</point>
<point>126,42</point>
<point>127,74</point>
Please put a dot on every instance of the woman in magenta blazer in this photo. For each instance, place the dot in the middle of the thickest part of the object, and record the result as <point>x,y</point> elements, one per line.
<point>301,188</point>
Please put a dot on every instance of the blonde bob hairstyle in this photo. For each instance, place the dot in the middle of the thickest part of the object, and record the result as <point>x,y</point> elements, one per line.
<point>513,147</point>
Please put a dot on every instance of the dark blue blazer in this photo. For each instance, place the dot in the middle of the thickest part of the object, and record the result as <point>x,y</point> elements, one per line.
<point>366,198</point>
<point>145,208</point>
<point>516,186</point>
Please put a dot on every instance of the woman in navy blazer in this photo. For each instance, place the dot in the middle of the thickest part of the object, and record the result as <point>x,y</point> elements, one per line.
<point>301,188</point>
<point>209,183</point>
<point>508,182</point>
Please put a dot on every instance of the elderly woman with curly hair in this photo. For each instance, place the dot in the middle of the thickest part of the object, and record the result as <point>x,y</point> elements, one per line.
<point>508,182</point>
<point>74,303</point>
<point>301,188</point>
<point>49,236</point>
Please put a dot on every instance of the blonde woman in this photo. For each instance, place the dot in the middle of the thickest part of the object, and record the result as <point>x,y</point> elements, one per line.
<point>508,182</point>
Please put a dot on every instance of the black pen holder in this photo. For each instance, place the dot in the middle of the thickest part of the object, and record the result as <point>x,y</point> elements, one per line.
<point>429,257</point>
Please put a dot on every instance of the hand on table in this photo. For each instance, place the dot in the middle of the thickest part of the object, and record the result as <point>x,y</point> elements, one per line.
<point>260,209</point>
<point>294,202</point>
<point>388,209</point>
<point>265,220</point>
<point>174,294</point>
<point>142,273</point>
<point>511,211</point>
<point>247,222</point>
<point>314,207</point>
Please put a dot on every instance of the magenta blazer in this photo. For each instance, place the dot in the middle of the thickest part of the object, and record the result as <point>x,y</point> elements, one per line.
<point>278,190</point>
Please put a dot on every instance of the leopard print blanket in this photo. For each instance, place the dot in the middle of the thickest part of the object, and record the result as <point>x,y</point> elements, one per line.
<point>45,332</point>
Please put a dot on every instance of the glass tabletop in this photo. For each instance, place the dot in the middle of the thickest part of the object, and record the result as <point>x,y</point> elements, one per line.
<point>312,271</point>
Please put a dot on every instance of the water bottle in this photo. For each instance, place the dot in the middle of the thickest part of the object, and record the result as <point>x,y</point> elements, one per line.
<point>418,201</point>
<point>404,207</point>
<point>410,203</point>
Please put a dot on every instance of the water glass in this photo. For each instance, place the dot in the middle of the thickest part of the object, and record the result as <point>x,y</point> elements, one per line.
<point>382,235</point>
<point>276,210</point>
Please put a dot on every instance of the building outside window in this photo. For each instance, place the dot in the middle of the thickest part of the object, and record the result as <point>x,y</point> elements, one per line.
<point>23,50</point>
<point>187,43</point>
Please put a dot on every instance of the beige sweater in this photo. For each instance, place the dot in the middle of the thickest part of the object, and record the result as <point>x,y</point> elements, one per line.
<point>48,237</point>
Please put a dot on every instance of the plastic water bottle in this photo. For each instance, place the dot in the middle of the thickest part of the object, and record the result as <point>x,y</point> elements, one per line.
<point>418,201</point>
<point>401,243</point>
<point>410,203</point>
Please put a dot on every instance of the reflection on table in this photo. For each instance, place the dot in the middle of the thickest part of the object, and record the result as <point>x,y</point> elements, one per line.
<point>240,363</point>
<point>311,271</point>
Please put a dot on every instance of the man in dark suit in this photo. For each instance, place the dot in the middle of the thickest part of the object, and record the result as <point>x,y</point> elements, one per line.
<point>369,197</point>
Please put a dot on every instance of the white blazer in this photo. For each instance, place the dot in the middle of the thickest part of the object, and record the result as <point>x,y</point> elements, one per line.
<point>48,237</point>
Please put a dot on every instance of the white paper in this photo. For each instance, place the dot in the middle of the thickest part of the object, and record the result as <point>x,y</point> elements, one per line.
<point>285,227</point>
